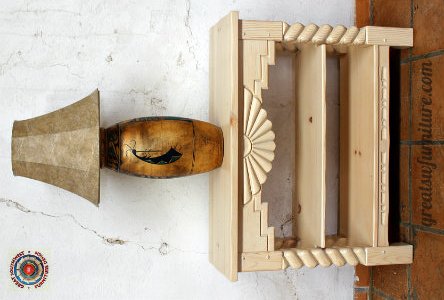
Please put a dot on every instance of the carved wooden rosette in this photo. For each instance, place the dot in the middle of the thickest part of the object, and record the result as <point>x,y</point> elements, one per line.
<point>258,141</point>
<point>258,146</point>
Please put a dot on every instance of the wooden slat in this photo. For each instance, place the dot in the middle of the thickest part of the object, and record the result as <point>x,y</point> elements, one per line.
<point>252,240</point>
<point>261,30</point>
<point>395,254</point>
<point>384,145</point>
<point>339,256</point>
<point>224,94</point>
<point>261,261</point>
<point>310,145</point>
<point>266,60</point>
<point>389,36</point>
<point>256,235</point>
<point>359,145</point>
<point>253,68</point>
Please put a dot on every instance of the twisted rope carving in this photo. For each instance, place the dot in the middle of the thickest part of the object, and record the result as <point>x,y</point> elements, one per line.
<point>324,34</point>
<point>297,258</point>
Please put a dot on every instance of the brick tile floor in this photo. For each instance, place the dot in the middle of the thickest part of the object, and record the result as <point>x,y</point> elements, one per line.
<point>392,280</point>
<point>420,142</point>
<point>427,25</point>
<point>427,277</point>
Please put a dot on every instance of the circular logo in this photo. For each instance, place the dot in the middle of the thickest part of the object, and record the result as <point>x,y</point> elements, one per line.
<point>30,269</point>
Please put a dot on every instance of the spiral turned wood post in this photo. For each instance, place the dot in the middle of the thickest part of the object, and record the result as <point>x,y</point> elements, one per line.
<point>297,258</point>
<point>324,34</point>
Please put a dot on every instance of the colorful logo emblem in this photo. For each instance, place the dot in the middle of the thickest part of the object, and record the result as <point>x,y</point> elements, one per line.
<point>29,269</point>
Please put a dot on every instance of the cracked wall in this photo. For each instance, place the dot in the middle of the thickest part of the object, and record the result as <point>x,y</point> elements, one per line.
<point>148,238</point>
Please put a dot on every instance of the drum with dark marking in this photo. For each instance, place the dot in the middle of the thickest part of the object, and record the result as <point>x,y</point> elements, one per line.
<point>67,147</point>
<point>162,147</point>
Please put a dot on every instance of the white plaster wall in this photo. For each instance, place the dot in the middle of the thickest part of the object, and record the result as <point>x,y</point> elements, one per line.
<point>147,58</point>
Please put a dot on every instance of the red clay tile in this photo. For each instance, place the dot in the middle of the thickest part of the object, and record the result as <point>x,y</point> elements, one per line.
<point>391,280</point>
<point>405,101</point>
<point>360,295</point>
<point>392,13</point>
<point>428,266</point>
<point>427,26</point>
<point>375,296</point>
<point>404,183</point>
<point>405,234</point>
<point>362,276</point>
<point>428,185</point>
<point>362,13</point>
<point>427,98</point>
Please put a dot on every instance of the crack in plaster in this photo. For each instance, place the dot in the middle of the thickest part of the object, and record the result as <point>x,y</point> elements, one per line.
<point>188,17</point>
<point>40,11</point>
<point>156,103</point>
<point>283,224</point>
<point>290,282</point>
<point>190,31</point>
<point>79,35</point>
<point>106,240</point>
<point>7,62</point>
<point>163,249</point>
<point>5,66</point>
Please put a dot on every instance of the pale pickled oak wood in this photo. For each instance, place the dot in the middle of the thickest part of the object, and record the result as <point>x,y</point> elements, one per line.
<point>261,261</point>
<point>252,240</point>
<point>326,34</point>
<point>389,36</point>
<point>261,30</point>
<point>258,145</point>
<point>384,145</point>
<point>224,99</point>
<point>252,66</point>
<point>257,55</point>
<point>269,59</point>
<point>358,169</point>
<point>310,164</point>
<point>298,33</point>
<point>340,256</point>
<point>364,144</point>
<point>394,254</point>
<point>297,258</point>
<point>266,230</point>
<point>339,35</point>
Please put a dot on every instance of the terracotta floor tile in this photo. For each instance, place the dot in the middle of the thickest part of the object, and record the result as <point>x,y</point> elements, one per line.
<point>428,185</point>
<point>404,183</point>
<point>362,13</point>
<point>392,280</point>
<point>428,98</point>
<point>362,276</point>
<point>405,234</point>
<point>405,101</point>
<point>392,13</point>
<point>376,296</point>
<point>360,295</point>
<point>428,266</point>
<point>427,26</point>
